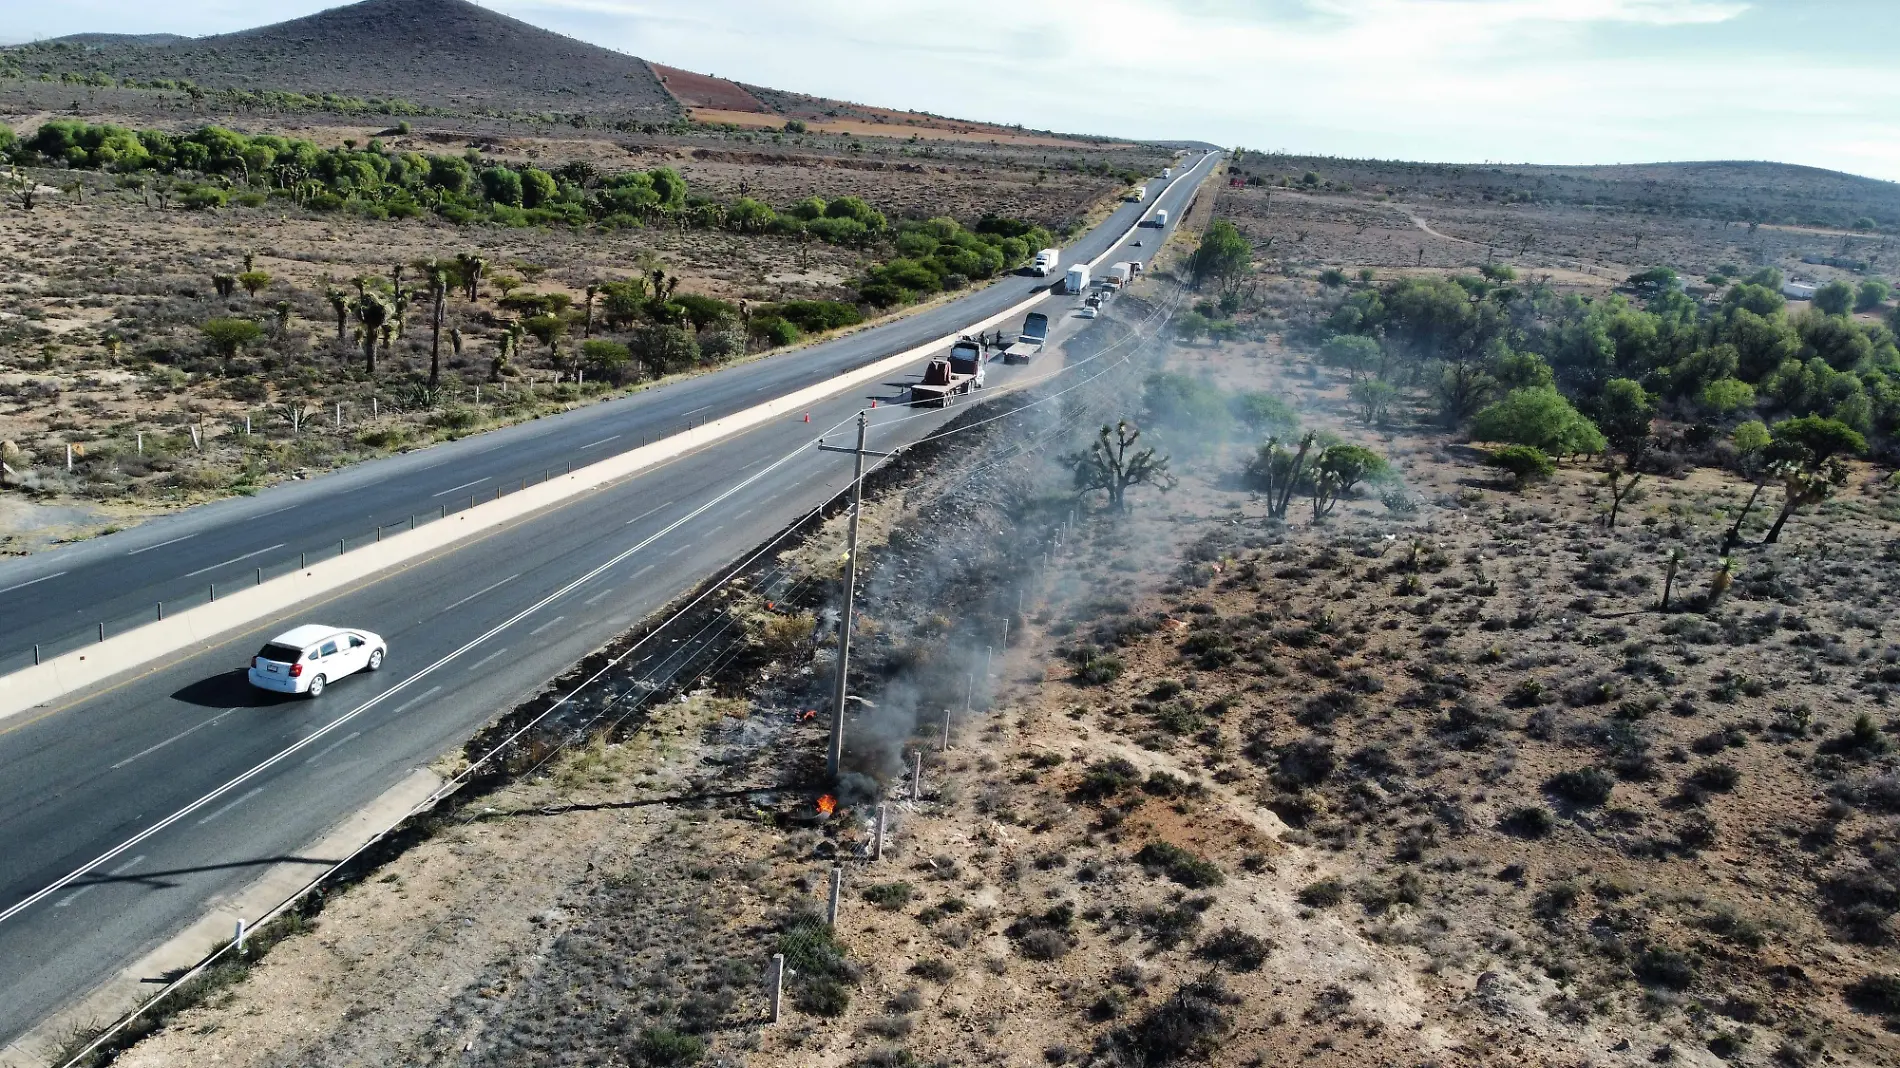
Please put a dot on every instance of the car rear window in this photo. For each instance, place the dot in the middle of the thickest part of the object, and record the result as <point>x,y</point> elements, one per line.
<point>282,654</point>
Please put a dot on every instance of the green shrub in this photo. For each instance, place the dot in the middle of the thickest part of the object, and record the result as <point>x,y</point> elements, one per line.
<point>1524,463</point>
<point>888,896</point>
<point>658,1047</point>
<point>1323,894</point>
<point>1183,866</point>
<point>1588,787</point>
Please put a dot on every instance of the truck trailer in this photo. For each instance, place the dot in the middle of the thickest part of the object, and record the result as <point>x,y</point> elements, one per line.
<point>946,377</point>
<point>1035,334</point>
<point>1047,262</point>
<point>1078,281</point>
<point>1120,274</point>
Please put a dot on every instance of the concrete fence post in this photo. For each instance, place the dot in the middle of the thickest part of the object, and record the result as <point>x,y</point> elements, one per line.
<point>238,938</point>
<point>140,438</point>
<point>339,415</point>
<point>776,984</point>
<point>837,892</point>
<point>69,456</point>
<point>877,839</point>
<point>247,424</point>
<point>946,731</point>
<point>969,696</point>
<point>917,776</point>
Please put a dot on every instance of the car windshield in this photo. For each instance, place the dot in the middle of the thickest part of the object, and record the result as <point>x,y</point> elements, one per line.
<point>282,654</point>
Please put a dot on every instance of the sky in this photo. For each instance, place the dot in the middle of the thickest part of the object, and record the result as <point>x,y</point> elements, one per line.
<point>1546,81</point>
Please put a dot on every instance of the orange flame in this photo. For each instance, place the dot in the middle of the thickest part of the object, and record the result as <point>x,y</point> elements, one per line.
<point>827,804</point>
<point>807,715</point>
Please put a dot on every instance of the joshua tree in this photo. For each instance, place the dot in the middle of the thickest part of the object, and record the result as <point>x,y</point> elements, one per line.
<point>1276,472</point>
<point>469,268</point>
<point>1109,465</point>
<point>224,284</point>
<point>250,261</point>
<point>282,308</point>
<point>593,289</point>
<point>112,343</point>
<point>1670,564</point>
<point>373,313</point>
<point>340,304</point>
<point>439,292</point>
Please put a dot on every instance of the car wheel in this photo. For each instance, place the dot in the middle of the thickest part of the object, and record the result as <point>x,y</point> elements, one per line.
<point>376,660</point>
<point>316,687</point>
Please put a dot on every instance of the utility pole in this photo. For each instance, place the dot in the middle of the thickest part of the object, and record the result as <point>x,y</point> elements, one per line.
<point>834,755</point>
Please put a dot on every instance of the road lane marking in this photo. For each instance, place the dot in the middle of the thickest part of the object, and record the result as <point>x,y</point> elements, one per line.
<point>181,734</point>
<point>695,411</point>
<point>642,571</point>
<point>591,444</point>
<point>29,582</point>
<point>479,592</point>
<point>162,544</point>
<point>274,511</point>
<point>333,746</point>
<point>599,595</point>
<point>676,552</point>
<point>235,559</point>
<point>644,514</point>
<point>487,658</point>
<point>545,626</point>
<point>229,805</point>
<point>417,699</point>
<point>463,486</point>
<point>120,870</point>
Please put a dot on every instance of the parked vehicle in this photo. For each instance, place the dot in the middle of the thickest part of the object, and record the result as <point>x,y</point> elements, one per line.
<point>1034,334</point>
<point>1139,194</point>
<point>1120,274</point>
<point>1161,217</point>
<point>1047,262</point>
<point>946,377</point>
<point>306,659</point>
<point>1089,311</point>
<point>1078,279</point>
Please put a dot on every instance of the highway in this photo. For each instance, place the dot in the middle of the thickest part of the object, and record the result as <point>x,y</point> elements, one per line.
<point>192,785</point>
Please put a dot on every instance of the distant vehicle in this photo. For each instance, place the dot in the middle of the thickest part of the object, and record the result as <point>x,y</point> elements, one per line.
<point>1028,343</point>
<point>1137,244</point>
<point>1078,279</point>
<point>306,659</point>
<point>1140,194</point>
<point>1047,261</point>
<point>1161,217</point>
<point>1167,172</point>
<point>1135,266</point>
<point>1089,311</point>
<point>1120,274</point>
<point>946,377</point>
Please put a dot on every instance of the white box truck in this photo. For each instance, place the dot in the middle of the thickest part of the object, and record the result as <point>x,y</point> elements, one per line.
<point>1167,172</point>
<point>1119,274</point>
<point>1078,280</point>
<point>1161,217</point>
<point>1046,262</point>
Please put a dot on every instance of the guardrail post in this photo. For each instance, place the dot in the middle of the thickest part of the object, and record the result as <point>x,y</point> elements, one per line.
<point>161,611</point>
<point>214,591</point>
<point>303,561</point>
<point>260,576</point>
<point>36,654</point>
<point>102,632</point>
<point>412,520</point>
<point>342,546</point>
<point>379,532</point>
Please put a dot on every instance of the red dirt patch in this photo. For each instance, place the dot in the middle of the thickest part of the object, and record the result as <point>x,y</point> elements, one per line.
<point>705,91</point>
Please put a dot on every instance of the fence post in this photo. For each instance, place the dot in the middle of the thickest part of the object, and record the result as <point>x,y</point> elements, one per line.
<point>777,984</point>
<point>69,456</point>
<point>140,436</point>
<point>102,632</point>
<point>260,576</point>
<point>238,939</point>
<point>877,840</point>
<point>917,775</point>
<point>946,731</point>
<point>342,546</point>
<point>36,654</point>
<point>303,561</point>
<point>161,611</point>
<point>339,415</point>
<point>214,591</point>
<point>837,892</point>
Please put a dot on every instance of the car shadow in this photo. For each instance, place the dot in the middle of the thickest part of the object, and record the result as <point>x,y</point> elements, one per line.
<point>232,689</point>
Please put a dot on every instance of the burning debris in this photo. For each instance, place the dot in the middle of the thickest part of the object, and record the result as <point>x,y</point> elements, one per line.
<point>827,805</point>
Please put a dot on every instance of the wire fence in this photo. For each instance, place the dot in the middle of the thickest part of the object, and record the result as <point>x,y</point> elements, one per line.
<point>700,644</point>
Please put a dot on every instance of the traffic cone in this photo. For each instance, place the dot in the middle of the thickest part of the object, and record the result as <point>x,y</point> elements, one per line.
<point>808,417</point>
<point>874,403</point>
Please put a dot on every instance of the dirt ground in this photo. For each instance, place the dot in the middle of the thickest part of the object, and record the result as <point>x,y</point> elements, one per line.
<point>1434,781</point>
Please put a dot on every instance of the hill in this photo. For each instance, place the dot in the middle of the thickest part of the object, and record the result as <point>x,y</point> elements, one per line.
<point>448,54</point>
<point>92,40</point>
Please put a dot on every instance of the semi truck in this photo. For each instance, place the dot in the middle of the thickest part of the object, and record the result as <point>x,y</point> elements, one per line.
<point>1078,281</point>
<point>948,376</point>
<point>1035,334</point>
<point>1047,261</point>
<point>1161,217</point>
<point>1139,194</point>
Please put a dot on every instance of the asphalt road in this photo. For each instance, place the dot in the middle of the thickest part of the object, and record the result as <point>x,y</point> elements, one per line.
<point>471,631</point>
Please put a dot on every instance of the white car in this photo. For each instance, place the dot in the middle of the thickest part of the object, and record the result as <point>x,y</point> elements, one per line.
<point>310,657</point>
<point>1089,311</point>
